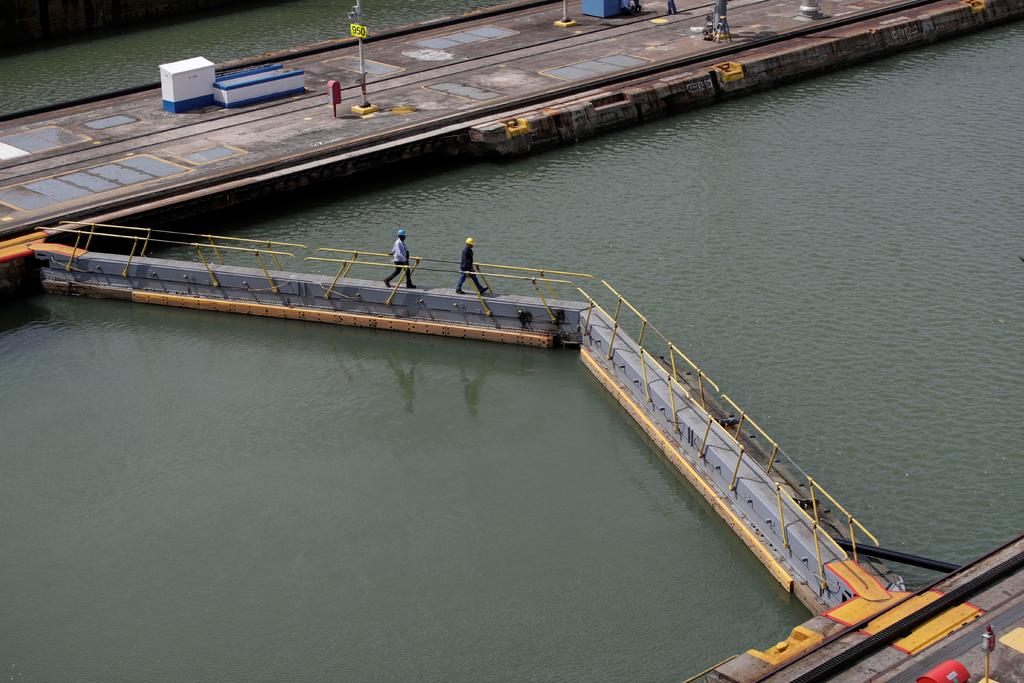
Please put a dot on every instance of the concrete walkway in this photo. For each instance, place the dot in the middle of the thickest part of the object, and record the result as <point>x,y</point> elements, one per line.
<point>86,160</point>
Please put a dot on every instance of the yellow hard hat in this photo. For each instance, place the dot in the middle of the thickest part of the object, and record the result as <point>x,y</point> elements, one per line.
<point>469,241</point>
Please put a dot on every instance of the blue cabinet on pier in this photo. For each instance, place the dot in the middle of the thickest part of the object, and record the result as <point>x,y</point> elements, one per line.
<point>601,8</point>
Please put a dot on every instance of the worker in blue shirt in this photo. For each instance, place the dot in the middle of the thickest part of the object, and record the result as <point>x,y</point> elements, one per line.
<point>400,255</point>
<point>468,268</point>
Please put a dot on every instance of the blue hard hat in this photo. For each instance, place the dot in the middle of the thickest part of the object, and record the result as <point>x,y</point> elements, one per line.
<point>401,233</point>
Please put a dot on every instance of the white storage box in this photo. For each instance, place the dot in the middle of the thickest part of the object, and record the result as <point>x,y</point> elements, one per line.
<point>187,84</point>
<point>257,85</point>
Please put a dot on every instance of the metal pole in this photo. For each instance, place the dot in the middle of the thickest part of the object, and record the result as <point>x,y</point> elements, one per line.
<point>362,64</point>
<point>565,21</point>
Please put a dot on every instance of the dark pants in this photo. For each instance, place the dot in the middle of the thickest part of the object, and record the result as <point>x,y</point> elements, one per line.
<point>401,266</point>
<point>471,276</point>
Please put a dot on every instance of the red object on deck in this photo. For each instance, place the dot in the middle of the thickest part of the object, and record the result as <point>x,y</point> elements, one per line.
<point>951,671</point>
<point>334,95</point>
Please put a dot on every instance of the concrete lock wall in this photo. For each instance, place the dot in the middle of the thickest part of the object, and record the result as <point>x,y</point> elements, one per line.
<point>762,68</point>
<point>24,21</point>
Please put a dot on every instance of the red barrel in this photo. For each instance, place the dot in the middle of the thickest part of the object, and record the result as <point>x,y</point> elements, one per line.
<point>947,672</point>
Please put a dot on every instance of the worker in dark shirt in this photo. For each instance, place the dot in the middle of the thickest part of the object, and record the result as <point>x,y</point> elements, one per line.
<point>468,268</point>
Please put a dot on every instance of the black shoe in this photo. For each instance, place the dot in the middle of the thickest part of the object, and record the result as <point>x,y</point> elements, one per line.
<point>387,284</point>
<point>410,286</point>
<point>459,291</point>
<point>485,290</point>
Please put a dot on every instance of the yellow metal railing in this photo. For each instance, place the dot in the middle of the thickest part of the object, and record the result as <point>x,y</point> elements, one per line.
<point>347,264</point>
<point>199,248</point>
<point>214,241</point>
<point>745,425</point>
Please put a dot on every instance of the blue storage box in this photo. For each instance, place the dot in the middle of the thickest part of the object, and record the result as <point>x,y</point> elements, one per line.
<point>257,85</point>
<point>601,8</point>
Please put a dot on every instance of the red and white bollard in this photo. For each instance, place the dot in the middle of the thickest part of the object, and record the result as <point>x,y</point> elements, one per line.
<point>334,95</point>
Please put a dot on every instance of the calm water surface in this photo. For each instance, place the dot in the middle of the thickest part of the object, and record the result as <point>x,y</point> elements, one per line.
<point>189,496</point>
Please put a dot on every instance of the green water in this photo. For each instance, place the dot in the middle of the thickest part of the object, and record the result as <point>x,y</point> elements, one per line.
<point>191,496</point>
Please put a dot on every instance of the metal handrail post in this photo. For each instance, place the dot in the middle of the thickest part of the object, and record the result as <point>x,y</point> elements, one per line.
<point>817,551</point>
<point>487,284</point>
<point>815,484</point>
<point>216,251</point>
<point>704,443</point>
<point>615,328</point>
<point>135,243</point>
<point>853,537</point>
<point>736,473</point>
<point>348,265</point>
<point>480,296</point>
<point>814,501</point>
<point>401,279</point>
<point>771,460</point>
<point>672,400</point>
<point>782,519</point>
<point>327,294</point>
<point>199,251</point>
<point>78,236</point>
<point>266,273</point>
<point>551,314</point>
<point>643,365</point>
<point>550,288</point>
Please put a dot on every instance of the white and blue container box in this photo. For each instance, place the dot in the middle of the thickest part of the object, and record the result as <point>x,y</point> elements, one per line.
<point>257,85</point>
<point>187,84</point>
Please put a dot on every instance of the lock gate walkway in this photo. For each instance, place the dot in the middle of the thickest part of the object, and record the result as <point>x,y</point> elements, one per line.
<point>787,519</point>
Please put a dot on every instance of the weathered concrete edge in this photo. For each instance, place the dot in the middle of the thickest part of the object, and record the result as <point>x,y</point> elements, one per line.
<point>572,119</point>
<point>708,83</point>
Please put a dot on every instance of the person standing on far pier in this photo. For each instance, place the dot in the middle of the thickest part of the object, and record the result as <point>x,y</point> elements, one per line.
<point>400,255</point>
<point>672,7</point>
<point>468,267</point>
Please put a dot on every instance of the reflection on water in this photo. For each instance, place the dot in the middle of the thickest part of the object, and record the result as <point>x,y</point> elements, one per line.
<point>312,498</point>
